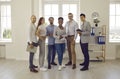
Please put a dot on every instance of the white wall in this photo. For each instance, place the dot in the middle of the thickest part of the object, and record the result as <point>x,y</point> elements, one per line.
<point>2,51</point>
<point>21,11</point>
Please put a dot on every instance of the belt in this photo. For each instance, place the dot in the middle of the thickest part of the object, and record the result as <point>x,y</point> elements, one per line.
<point>71,35</point>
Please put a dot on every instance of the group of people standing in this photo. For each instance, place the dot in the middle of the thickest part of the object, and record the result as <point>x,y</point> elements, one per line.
<point>58,36</point>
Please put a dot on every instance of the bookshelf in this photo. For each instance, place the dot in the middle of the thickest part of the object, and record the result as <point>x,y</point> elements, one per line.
<point>97,44</point>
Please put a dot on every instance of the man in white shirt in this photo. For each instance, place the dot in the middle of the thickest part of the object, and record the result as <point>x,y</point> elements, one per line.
<point>71,27</point>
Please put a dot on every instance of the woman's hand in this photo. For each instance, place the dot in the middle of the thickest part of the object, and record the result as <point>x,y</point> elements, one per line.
<point>61,37</point>
<point>31,46</point>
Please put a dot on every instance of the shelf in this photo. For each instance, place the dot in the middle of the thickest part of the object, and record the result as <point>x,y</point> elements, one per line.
<point>97,44</point>
<point>95,51</point>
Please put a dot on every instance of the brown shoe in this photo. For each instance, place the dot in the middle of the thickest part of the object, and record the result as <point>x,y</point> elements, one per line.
<point>69,63</point>
<point>33,70</point>
<point>74,66</point>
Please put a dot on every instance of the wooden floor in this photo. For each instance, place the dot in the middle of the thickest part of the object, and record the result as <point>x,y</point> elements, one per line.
<point>12,69</point>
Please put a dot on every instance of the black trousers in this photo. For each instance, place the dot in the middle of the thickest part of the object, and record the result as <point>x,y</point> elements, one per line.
<point>84,48</point>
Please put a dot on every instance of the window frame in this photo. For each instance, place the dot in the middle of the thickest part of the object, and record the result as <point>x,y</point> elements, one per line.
<point>60,3</point>
<point>113,40</point>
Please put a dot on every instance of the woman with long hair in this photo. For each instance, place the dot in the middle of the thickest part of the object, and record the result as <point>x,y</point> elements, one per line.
<point>41,33</point>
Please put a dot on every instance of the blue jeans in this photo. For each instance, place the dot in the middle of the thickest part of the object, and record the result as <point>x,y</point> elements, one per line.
<point>31,56</point>
<point>60,48</point>
<point>51,54</point>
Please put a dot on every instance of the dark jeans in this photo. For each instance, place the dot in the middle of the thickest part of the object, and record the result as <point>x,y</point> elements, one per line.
<point>60,48</point>
<point>31,56</point>
<point>51,54</point>
<point>84,47</point>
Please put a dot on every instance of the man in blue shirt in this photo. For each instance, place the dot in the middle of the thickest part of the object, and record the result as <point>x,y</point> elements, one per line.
<point>51,43</point>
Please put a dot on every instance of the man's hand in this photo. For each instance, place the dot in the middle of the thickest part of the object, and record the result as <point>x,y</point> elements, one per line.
<point>51,34</point>
<point>79,33</point>
<point>61,37</point>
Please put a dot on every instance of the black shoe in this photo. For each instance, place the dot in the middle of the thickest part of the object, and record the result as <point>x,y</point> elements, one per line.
<point>49,66</point>
<point>82,64</point>
<point>35,66</point>
<point>33,70</point>
<point>84,69</point>
<point>74,66</point>
<point>69,63</point>
<point>53,64</point>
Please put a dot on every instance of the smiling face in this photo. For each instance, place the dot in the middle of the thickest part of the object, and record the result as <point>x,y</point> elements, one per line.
<point>70,16</point>
<point>33,18</point>
<point>43,21</point>
<point>82,18</point>
<point>51,20</point>
<point>60,21</point>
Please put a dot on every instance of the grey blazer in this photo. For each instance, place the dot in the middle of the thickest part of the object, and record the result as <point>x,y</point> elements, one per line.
<point>86,30</point>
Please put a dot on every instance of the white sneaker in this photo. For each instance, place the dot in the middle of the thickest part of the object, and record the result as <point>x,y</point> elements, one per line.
<point>60,68</point>
<point>63,66</point>
<point>43,69</point>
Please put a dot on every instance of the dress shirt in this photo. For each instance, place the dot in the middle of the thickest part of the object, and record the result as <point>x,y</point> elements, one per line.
<point>50,30</point>
<point>71,28</point>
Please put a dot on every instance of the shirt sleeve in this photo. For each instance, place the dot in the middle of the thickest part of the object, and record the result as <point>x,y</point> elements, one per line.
<point>66,28</point>
<point>88,30</point>
<point>65,35</point>
<point>47,31</point>
<point>55,34</point>
<point>76,27</point>
<point>30,33</point>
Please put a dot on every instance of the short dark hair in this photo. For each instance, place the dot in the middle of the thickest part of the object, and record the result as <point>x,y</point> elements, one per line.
<point>82,15</point>
<point>50,18</point>
<point>70,14</point>
<point>60,18</point>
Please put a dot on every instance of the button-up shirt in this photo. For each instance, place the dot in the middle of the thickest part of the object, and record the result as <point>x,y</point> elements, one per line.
<point>71,28</point>
<point>50,29</point>
<point>32,36</point>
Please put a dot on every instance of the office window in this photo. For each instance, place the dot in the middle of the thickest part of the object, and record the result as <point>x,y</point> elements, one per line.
<point>51,10</point>
<point>66,8</point>
<point>57,8</point>
<point>5,20</point>
<point>114,23</point>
